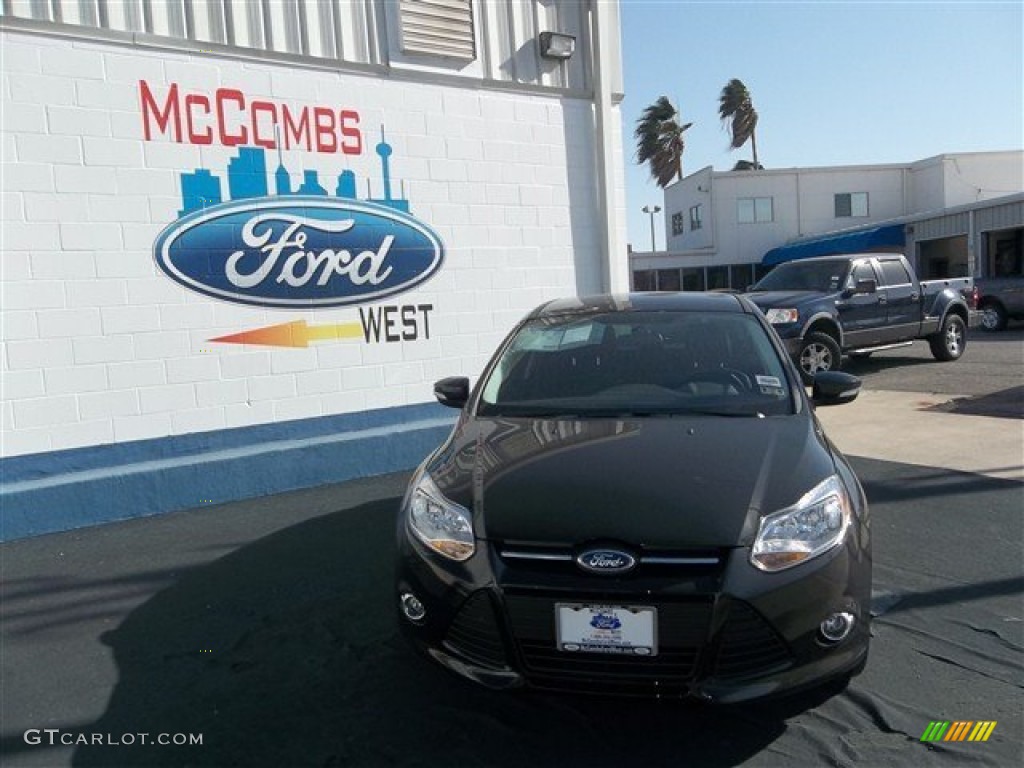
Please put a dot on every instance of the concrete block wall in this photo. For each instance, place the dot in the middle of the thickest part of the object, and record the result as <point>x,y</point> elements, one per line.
<point>100,349</point>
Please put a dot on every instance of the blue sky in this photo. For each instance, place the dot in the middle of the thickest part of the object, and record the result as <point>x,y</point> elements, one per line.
<point>833,83</point>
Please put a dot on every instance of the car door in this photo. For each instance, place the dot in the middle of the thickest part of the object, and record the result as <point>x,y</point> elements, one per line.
<point>903,301</point>
<point>862,315</point>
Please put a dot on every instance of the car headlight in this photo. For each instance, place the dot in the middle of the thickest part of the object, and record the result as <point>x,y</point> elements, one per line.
<point>811,527</point>
<point>440,523</point>
<point>778,316</point>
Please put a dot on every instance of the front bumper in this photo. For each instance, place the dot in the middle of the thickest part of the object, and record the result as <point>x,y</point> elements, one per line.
<point>791,336</point>
<point>726,633</point>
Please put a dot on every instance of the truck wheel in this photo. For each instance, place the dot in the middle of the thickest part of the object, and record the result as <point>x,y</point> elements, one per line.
<point>993,317</point>
<point>949,343</point>
<point>819,352</point>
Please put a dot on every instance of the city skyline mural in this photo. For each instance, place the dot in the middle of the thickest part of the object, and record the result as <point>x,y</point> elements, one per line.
<point>247,178</point>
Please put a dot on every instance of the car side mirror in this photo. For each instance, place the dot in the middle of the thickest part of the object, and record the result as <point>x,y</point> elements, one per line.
<point>834,388</point>
<point>453,391</point>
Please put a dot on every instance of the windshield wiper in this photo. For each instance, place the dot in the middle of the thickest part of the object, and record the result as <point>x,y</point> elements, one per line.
<point>725,413</point>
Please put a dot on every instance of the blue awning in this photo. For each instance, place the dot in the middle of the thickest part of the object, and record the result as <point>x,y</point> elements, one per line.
<point>887,238</point>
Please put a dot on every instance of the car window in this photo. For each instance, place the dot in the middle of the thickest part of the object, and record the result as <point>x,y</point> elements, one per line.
<point>821,276</point>
<point>894,273</point>
<point>638,363</point>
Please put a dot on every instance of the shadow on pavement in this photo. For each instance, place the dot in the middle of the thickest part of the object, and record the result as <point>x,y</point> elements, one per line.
<point>1006,404</point>
<point>860,366</point>
<point>286,652</point>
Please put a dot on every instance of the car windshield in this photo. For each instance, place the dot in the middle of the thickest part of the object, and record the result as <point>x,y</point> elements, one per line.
<point>638,363</point>
<point>821,276</point>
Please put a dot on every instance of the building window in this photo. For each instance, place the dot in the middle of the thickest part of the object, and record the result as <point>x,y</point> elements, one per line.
<point>693,279</point>
<point>740,276</point>
<point>438,28</point>
<point>754,210</point>
<point>718,277</point>
<point>677,224</point>
<point>851,204</point>
<point>644,280</point>
<point>668,280</point>
<point>696,217</point>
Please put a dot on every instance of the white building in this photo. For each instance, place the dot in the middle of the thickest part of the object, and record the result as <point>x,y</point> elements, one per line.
<point>240,240</point>
<point>721,225</point>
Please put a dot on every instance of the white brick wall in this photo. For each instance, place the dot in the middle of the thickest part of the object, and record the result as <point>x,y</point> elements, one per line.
<point>99,346</point>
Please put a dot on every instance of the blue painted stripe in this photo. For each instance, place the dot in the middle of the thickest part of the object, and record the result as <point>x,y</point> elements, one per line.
<point>37,465</point>
<point>57,492</point>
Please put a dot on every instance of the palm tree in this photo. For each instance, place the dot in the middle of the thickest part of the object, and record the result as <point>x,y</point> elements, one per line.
<point>738,114</point>
<point>659,141</point>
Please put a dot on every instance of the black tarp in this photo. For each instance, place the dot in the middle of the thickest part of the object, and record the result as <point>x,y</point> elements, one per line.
<point>269,628</point>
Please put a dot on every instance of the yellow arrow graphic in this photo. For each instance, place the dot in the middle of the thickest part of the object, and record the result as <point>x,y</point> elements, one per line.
<point>294,334</point>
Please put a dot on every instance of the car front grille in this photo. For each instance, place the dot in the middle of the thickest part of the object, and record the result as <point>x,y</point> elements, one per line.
<point>474,633</point>
<point>748,646</point>
<point>682,628</point>
<point>649,562</point>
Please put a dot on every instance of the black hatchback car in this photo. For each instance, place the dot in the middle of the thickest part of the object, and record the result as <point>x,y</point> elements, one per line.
<point>637,498</point>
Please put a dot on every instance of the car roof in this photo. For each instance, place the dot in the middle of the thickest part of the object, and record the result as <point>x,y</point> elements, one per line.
<point>678,301</point>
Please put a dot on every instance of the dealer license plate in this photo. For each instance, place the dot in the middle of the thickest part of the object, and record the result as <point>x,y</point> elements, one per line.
<point>631,629</point>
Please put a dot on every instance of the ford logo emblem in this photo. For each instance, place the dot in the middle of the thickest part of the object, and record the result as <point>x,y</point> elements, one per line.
<point>611,561</point>
<point>299,252</point>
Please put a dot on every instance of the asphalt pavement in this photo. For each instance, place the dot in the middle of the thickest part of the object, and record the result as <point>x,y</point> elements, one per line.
<point>266,627</point>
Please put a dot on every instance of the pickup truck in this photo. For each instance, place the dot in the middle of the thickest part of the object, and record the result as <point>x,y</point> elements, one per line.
<point>856,304</point>
<point>1000,299</point>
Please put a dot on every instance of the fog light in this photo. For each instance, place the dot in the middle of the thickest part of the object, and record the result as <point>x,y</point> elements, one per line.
<point>413,609</point>
<point>836,627</point>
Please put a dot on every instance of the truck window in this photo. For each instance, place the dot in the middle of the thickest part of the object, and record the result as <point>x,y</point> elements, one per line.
<point>863,271</point>
<point>821,276</point>
<point>894,273</point>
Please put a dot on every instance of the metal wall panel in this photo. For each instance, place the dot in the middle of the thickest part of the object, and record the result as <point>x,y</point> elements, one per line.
<point>207,20</point>
<point>244,23</point>
<point>125,15</point>
<point>941,226</point>
<point>501,36</point>
<point>1005,216</point>
<point>511,53</point>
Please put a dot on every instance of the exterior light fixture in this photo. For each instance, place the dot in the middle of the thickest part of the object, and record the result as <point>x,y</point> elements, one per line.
<point>650,212</point>
<point>556,45</point>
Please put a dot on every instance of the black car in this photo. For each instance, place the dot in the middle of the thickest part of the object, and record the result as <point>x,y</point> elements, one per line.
<point>637,498</point>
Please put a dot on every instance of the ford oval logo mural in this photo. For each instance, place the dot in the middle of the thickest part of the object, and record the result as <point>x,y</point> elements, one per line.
<point>299,251</point>
<point>610,561</point>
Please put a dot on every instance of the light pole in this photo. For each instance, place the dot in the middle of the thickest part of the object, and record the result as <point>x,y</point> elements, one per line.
<point>651,211</point>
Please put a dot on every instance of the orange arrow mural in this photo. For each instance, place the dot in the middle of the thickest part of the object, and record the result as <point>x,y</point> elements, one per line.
<point>295,334</point>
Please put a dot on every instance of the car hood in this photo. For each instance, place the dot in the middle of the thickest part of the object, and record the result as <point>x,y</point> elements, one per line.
<point>674,482</point>
<point>769,299</point>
